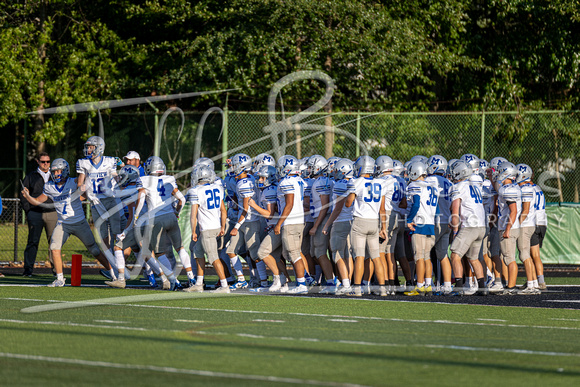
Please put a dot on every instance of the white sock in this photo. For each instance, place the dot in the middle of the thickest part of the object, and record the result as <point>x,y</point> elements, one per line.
<point>447,285</point>
<point>112,272</point>
<point>276,278</point>
<point>536,285</point>
<point>147,268</point>
<point>199,279</point>
<point>261,266</point>
<point>346,283</point>
<point>184,257</point>
<point>190,274</point>
<point>420,284</point>
<point>530,284</point>
<point>428,281</point>
<point>120,258</point>
<point>224,283</point>
<point>60,276</point>
<point>301,280</point>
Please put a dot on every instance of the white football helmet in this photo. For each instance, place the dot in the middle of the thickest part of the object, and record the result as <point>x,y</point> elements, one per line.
<point>205,175</point>
<point>241,163</point>
<point>261,160</point>
<point>483,167</point>
<point>420,158</point>
<point>472,160</point>
<point>398,168</point>
<point>288,165</point>
<point>507,171</point>
<point>270,174</point>
<point>383,164</point>
<point>495,164</point>
<point>317,165</point>
<point>94,147</point>
<point>331,163</point>
<point>59,165</point>
<point>416,169</point>
<point>364,165</point>
<point>153,165</point>
<point>343,169</point>
<point>460,170</point>
<point>204,161</point>
<point>524,173</point>
<point>127,175</point>
<point>436,165</point>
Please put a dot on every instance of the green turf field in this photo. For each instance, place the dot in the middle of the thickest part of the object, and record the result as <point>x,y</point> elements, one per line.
<point>145,337</point>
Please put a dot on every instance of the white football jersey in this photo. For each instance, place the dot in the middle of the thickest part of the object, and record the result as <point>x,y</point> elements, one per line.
<point>291,185</point>
<point>321,186</point>
<point>509,193</point>
<point>246,188</point>
<point>528,196</point>
<point>67,202</point>
<point>392,192</point>
<point>308,193</point>
<point>209,198</point>
<point>540,206</point>
<point>269,196</point>
<point>402,195</point>
<point>340,191</point>
<point>476,179</point>
<point>369,192</point>
<point>444,201</point>
<point>158,194</point>
<point>428,196</point>
<point>471,211</point>
<point>98,177</point>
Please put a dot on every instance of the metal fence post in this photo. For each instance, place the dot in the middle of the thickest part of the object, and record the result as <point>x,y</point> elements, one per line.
<point>225,136</point>
<point>357,135</point>
<point>481,148</point>
<point>15,215</point>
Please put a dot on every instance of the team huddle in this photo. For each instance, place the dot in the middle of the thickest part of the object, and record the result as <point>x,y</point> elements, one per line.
<point>345,227</point>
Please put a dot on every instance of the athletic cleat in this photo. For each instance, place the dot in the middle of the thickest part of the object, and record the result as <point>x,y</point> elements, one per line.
<point>415,292</point>
<point>496,288</point>
<point>300,289</point>
<point>489,281</point>
<point>366,289</point>
<point>106,274</point>
<point>254,283</point>
<point>276,286</point>
<point>222,289</point>
<point>467,291</point>
<point>284,288</point>
<point>261,289</point>
<point>118,283</point>
<point>509,292</point>
<point>166,285</point>
<point>528,291</point>
<point>345,290</point>
<point>310,281</point>
<point>56,284</point>
<point>329,289</point>
<point>543,286</point>
<point>195,288</point>
<point>428,290</point>
<point>357,290</point>
<point>151,279</point>
<point>190,282</point>
<point>239,285</point>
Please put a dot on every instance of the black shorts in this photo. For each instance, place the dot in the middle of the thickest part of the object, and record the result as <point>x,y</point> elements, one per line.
<point>538,236</point>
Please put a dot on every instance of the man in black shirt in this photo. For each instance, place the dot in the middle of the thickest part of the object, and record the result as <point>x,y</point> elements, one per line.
<point>37,217</point>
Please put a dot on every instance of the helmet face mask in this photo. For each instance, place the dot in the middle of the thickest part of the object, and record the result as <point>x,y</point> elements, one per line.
<point>317,165</point>
<point>507,171</point>
<point>437,165</point>
<point>241,163</point>
<point>398,168</point>
<point>267,175</point>
<point>288,165</point>
<point>343,169</point>
<point>94,147</point>
<point>524,173</point>
<point>460,170</point>
<point>128,175</point>
<point>59,165</point>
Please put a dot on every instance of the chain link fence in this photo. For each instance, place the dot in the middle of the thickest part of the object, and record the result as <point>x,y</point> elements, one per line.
<point>547,141</point>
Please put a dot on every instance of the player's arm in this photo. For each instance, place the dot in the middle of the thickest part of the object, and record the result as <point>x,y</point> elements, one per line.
<point>350,199</point>
<point>177,193</point>
<point>34,201</point>
<point>513,207</point>
<point>413,212</point>
<point>267,212</point>
<point>223,218</point>
<point>525,211</point>
<point>454,221</point>
<point>383,217</point>
<point>289,198</point>
<point>193,221</point>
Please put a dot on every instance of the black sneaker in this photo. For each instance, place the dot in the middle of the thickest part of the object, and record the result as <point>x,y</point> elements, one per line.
<point>27,274</point>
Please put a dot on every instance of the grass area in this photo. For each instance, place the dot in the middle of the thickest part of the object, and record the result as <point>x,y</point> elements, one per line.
<point>146,337</point>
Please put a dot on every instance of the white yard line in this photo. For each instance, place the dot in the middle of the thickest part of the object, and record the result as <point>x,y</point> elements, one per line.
<point>171,370</point>
<point>71,304</point>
